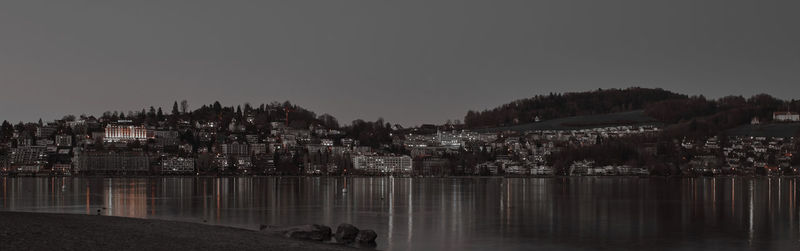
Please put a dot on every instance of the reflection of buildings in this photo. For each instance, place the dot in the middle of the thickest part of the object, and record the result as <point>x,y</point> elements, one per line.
<point>127,199</point>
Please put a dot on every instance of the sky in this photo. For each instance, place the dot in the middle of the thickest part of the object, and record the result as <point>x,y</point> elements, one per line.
<point>409,62</point>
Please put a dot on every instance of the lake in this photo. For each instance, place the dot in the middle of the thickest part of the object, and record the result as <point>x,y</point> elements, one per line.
<point>454,213</point>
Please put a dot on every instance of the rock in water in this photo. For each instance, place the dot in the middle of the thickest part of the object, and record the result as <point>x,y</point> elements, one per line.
<point>346,233</point>
<point>366,236</point>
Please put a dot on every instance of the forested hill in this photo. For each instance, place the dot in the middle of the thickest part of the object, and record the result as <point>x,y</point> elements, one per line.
<point>683,115</point>
<point>568,105</point>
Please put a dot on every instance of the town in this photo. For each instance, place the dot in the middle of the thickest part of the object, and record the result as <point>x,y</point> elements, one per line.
<point>285,139</point>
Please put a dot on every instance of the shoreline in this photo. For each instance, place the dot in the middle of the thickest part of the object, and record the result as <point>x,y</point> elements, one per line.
<point>425,177</point>
<point>49,231</point>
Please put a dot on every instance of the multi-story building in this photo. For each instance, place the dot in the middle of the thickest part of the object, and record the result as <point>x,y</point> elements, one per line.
<point>166,137</point>
<point>28,158</point>
<point>235,149</point>
<point>45,131</point>
<point>382,164</point>
<point>63,140</point>
<point>112,162</point>
<point>455,139</point>
<point>432,166</point>
<point>27,154</point>
<point>124,133</point>
<point>177,165</point>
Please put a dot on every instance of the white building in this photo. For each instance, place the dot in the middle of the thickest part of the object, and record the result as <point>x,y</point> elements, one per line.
<point>122,133</point>
<point>786,116</point>
<point>382,164</point>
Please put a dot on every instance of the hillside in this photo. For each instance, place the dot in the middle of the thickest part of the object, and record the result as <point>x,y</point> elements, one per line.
<point>766,130</point>
<point>554,106</point>
<point>637,117</point>
<point>682,115</point>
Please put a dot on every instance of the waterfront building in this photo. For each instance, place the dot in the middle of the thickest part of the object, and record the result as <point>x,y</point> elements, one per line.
<point>382,164</point>
<point>112,162</point>
<point>62,168</point>
<point>542,170</point>
<point>579,168</point>
<point>432,166</point>
<point>27,154</point>
<point>177,165</point>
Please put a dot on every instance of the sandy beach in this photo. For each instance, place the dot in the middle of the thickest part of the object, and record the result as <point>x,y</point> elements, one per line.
<point>44,231</point>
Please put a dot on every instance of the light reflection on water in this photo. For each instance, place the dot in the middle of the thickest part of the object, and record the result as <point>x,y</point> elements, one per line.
<point>454,213</point>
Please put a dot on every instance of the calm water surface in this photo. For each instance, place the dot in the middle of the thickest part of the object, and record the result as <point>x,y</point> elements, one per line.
<point>455,213</point>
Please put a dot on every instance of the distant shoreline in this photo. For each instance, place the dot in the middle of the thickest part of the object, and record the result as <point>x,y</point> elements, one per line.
<point>47,231</point>
<point>373,176</point>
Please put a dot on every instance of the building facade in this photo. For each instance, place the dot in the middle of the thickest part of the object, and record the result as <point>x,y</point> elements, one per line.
<point>124,133</point>
<point>786,116</point>
<point>382,164</point>
<point>235,149</point>
<point>63,140</point>
<point>112,162</point>
<point>177,165</point>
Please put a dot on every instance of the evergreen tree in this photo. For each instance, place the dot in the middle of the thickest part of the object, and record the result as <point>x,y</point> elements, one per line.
<point>216,107</point>
<point>6,131</point>
<point>175,108</point>
<point>159,114</point>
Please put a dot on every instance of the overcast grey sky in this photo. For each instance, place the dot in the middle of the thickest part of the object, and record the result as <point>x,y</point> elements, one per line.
<point>409,62</point>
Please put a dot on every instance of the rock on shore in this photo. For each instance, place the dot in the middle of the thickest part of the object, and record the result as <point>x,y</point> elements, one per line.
<point>313,232</point>
<point>366,236</point>
<point>346,233</point>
